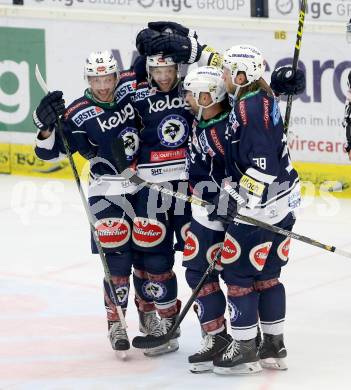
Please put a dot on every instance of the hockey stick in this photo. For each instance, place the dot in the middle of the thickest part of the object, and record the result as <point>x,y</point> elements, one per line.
<point>122,165</point>
<point>295,60</point>
<point>108,276</point>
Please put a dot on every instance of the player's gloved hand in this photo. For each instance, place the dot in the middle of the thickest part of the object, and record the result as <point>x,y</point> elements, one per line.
<point>143,41</point>
<point>172,27</point>
<point>224,210</point>
<point>50,108</point>
<point>139,67</point>
<point>285,81</point>
<point>182,49</point>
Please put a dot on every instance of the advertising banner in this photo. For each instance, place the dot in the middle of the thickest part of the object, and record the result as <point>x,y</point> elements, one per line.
<point>20,50</point>
<point>226,8</point>
<point>317,10</point>
<point>316,132</point>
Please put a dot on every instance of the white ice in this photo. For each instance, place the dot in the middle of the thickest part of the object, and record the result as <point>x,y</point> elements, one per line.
<point>52,318</point>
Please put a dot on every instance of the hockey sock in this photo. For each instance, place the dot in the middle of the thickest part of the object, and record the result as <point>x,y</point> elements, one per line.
<point>243,307</point>
<point>143,294</point>
<point>271,306</point>
<point>210,302</point>
<point>164,289</point>
<point>121,285</point>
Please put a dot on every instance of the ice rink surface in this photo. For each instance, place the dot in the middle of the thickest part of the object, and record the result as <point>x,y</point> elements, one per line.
<point>52,317</point>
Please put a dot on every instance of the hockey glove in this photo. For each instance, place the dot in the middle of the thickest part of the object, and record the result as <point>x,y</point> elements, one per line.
<point>286,82</point>
<point>144,41</point>
<point>50,108</point>
<point>172,27</point>
<point>182,49</point>
<point>224,210</point>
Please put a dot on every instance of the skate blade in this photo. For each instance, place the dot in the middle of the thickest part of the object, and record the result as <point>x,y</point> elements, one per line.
<point>274,364</point>
<point>170,346</point>
<point>240,369</point>
<point>199,368</point>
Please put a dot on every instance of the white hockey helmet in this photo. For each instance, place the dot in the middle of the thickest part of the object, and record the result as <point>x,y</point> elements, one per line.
<point>100,63</point>
<point>244,58</point>
<point>158,60</point>
<point>206,79</point>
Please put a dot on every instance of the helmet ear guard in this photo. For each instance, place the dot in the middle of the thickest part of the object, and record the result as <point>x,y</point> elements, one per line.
<point>100,63</point>
<point>207,79</point>
<point>244,58</point>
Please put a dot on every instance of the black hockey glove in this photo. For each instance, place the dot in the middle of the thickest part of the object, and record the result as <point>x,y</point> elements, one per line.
<point>172,27</point>
<point>182,49</point>
<point>286,82</point>
<point>50,108</point>
<point>225,208</point>
<point>143,41</point>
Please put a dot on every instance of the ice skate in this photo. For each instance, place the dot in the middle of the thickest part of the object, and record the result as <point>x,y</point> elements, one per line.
<point>273,353</point>
<point>118,338</point>
<point>151,324</point>
<point>240,357</point>
<point>211,345</point>
<point>171,345</point>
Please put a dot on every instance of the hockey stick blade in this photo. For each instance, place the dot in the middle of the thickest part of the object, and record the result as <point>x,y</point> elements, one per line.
<point>147,342</point>
<point>40,80</point>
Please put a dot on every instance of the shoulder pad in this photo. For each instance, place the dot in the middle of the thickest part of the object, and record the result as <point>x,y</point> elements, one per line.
<point>127,74</point>
<point>75,106</point>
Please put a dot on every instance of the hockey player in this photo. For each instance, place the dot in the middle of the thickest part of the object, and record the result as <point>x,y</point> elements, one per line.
<point>89,124</point>
<point>265,186</point>
<point>206,94</point>
<point>166,121</point>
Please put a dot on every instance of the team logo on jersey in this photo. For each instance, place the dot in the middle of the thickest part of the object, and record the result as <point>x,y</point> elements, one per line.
<point>283,249</point>
<point>173,131</point>
<point>131,142</point>
<point>112,232</point>
<point>184,231</point>
<point>231,250</point>
<point>122,294</point>
<point>211,254</point>
<point>191,246</point>
<point>148,233</point>
<point>258,255</point>
<point>119,118</point>
<point>154,290</point>
<point>86,114</point>
<point>199,309</point>
<point>233,312</point>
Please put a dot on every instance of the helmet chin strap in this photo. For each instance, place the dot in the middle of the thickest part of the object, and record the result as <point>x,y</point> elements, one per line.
<point>201,108</point>
<point>199,114</point>
<point>233,97</point>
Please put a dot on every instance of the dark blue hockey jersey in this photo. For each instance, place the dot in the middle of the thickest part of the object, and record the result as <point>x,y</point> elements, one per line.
<point>90,128</point>
<point>258,161</point>
<point>205,160</point>
<point>165,128</point>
